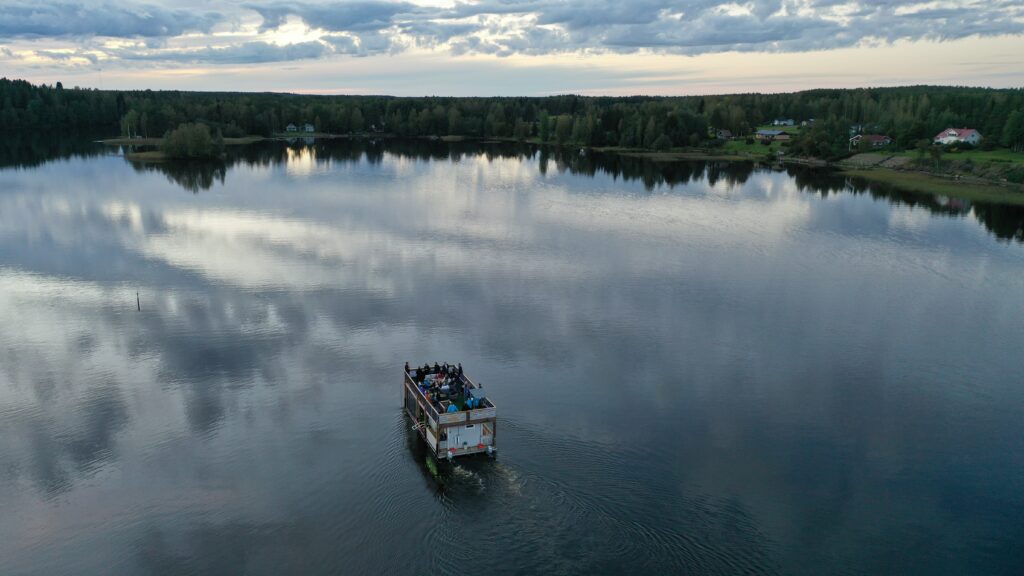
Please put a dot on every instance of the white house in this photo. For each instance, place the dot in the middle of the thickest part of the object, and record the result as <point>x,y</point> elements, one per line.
<point>783,122</point>
<point>954,135</point>
<point>290,128</point>
<point>310,128</point>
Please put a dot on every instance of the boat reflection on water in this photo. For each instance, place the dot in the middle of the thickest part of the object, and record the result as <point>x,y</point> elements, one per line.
<point>433,471</point>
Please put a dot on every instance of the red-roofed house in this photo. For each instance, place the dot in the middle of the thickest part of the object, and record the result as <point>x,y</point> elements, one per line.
<point>953,135</point>
<point>876,140</point>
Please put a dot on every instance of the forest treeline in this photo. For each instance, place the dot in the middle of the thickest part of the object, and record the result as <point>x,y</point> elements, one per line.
<point>910,115</point>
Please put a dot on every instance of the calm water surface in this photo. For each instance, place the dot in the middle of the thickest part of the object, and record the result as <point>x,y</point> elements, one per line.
<point>699,368</point>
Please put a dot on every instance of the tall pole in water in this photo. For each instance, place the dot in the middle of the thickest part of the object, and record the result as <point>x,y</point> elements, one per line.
<point>138,302</point>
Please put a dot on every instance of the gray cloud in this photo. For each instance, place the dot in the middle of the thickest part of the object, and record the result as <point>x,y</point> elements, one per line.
<point>571,16</point>
<point>432,33</point>
<point>66,56</point>
<point>335,16</point>
<point>82,18</point>
<point>368,44</point>
<point>247,53</point>
<point>702,26</point>
<point>507,27</point>
<point>344,44</point>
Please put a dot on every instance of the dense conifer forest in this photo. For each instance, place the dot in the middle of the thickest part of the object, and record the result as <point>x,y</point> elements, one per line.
<point>910,115</point>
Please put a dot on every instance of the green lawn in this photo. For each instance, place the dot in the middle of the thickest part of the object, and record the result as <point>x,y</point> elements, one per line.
<point>740,146</point>
<point>929,184</point>
<point>998,155</point>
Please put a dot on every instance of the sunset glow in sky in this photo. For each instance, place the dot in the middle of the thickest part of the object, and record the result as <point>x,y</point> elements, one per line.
<point>512,47</point>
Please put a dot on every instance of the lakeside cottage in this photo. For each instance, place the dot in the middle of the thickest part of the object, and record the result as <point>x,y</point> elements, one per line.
<point>291,128</point>
<point>772,135</point>
<point>955,135</point>
<point>310,128</point>
<point>875,140</point>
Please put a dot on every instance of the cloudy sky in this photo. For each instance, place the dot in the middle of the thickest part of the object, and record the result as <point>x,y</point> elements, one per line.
<point>512,47</point>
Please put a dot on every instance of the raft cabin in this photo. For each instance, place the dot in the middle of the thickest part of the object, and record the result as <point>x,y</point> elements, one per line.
<point>449,411</point>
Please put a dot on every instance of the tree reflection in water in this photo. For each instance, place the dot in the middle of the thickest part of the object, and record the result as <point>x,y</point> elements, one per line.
<point>1004,221</point>
<point>192,175</point>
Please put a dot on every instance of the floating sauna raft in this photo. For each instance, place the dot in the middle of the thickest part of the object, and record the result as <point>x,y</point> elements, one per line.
<point>456,422</point>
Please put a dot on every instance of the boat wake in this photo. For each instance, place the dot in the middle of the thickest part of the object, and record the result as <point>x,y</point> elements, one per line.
<point>467,477</point>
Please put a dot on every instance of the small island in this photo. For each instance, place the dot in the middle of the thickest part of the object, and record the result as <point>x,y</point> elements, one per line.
<point>190,141</point>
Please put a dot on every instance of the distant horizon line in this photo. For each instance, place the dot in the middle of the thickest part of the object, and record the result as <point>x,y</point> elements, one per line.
<point>328,94</point>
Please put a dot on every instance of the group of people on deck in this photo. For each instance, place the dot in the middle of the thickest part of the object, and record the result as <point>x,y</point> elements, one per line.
<point>443,382</point>
<point>445,370</point>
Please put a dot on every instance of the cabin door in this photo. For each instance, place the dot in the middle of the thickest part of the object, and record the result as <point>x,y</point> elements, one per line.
<point>467,436</point>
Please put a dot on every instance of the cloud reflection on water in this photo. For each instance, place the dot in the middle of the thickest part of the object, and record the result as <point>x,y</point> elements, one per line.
<point>790,342</point>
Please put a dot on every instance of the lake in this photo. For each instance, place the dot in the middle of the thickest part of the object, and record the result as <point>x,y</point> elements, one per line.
<point>699,367</point>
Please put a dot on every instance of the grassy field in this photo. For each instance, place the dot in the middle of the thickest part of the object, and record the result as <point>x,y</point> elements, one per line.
<point>999,155</point>
<point>929,184</point>
<point>755,149</point>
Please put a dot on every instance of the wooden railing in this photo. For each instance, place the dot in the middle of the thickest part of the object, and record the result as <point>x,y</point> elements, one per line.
<point>452,417</point>
<point>431,411</point>
<point>488,410</point>
<point>482,413</point>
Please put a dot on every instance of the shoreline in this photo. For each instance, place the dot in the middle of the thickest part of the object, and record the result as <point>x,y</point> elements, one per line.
<point>158,141</point>
<point>935,185</point>
<point>148,156</point>
<point>918,182</point>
